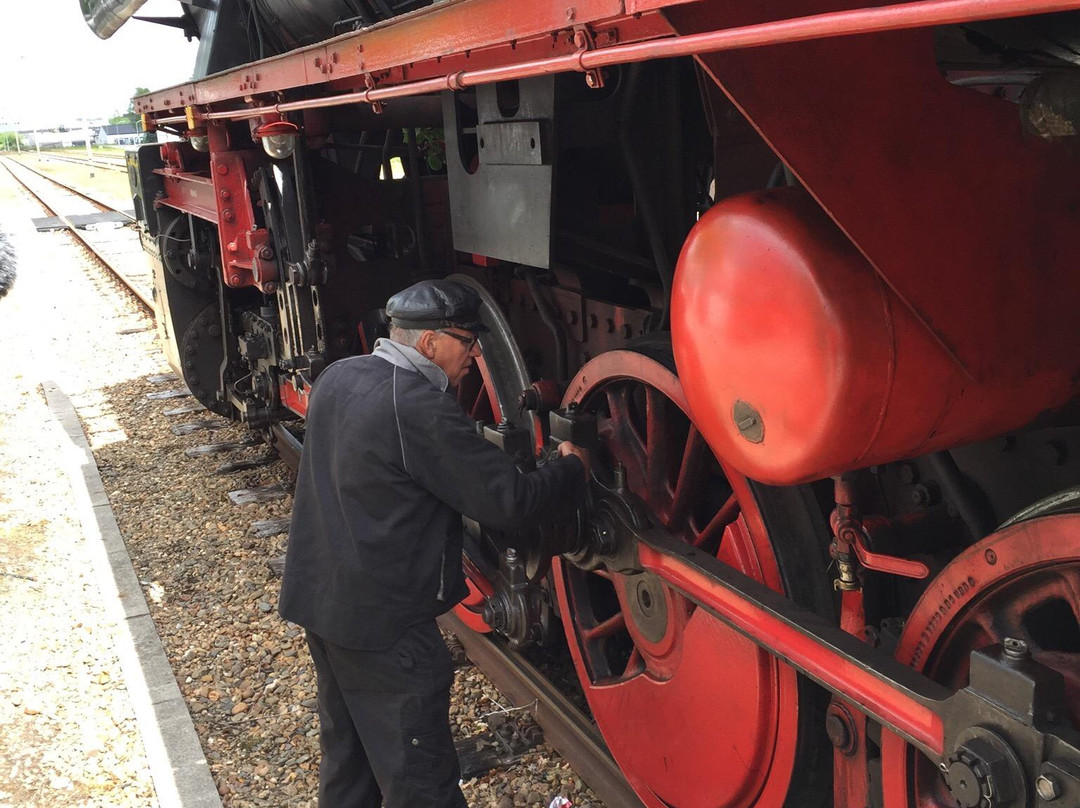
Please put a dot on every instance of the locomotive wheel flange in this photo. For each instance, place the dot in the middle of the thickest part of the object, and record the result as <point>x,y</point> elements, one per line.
<point>1022,582</point>
<point>696,714</point>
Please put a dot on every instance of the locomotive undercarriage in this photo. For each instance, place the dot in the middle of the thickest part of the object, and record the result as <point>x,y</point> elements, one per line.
<point>731,638</point>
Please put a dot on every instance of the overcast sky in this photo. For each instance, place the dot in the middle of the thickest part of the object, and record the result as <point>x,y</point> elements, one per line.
<point>54,69</point>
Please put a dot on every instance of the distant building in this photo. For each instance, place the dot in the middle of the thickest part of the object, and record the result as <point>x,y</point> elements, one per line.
<point>118,134</point>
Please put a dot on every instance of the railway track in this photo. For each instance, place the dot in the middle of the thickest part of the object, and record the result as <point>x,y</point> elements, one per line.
<point>565,727</point>
<point>115,246</point>
<point>100,161</point>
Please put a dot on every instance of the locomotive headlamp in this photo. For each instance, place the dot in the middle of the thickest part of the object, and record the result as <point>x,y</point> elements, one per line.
<point>278,138</point>
<point>200,143</point>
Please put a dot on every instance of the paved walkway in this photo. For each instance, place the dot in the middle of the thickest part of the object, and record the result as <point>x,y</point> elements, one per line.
<point>91,712</point>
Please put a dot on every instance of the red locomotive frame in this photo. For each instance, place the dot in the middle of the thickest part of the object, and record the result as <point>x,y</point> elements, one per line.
<point>903,305</point>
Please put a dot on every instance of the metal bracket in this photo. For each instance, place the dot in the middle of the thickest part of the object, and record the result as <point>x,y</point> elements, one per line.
<point>584,41</point>
<point>369,83</point>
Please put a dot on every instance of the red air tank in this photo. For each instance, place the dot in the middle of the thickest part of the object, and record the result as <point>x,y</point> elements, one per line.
<point>800,361</point>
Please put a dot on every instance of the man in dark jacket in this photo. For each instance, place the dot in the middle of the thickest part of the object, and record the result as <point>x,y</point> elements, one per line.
<point>390,465</point>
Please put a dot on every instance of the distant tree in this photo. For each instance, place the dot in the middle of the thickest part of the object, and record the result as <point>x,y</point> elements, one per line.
<point>10,140</point>
<point>130,116</point>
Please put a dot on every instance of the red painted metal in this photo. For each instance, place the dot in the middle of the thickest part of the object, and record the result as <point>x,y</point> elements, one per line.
<point>902,16</point>
<point>191,193</point>
<point>246,253</point>
<point>871,131</point>
<point>907,714</point>
<point>470,608</point>
<point>993,589</point>
<point>770,298</point>
<point>295,397</point>
<point>851,782</point>
<point>699,715</point>
<point>473,31</point>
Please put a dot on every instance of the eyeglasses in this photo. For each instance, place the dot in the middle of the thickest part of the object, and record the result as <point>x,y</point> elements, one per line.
<point>468,342</point>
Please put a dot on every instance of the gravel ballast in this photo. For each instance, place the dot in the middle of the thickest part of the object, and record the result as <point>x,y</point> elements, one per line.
<point>244,673</point>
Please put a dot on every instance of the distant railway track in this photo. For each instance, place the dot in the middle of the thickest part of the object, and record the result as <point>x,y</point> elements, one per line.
<point>93,200</point>
<point>116,249</point>
<point>110,163</point>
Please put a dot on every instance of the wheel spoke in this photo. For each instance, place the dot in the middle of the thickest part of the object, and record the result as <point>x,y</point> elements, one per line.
<point>605,628</point>
<point>657,445</point>
<point>624,441</point>
<point>634,664</point>
<point>690,477</point>
<point>727,514</point>
<point>476,410</point>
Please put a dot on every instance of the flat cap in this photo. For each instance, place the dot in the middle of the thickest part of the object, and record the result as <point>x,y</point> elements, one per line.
<point>436,304</point>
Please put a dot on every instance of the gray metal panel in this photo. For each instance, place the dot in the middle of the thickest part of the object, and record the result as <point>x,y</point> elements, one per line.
<point>510,143</point>
<point>504,208</point>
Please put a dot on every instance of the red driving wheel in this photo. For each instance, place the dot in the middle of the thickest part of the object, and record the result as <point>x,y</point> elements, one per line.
<point>695,714</point>
<point>1022,582</point>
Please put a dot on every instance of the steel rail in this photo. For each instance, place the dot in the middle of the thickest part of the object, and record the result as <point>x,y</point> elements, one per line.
<point>565,728</point>
<point>111,166</point>
<point>146,302</point>
<point>76,191</point>
<point>853,22</point>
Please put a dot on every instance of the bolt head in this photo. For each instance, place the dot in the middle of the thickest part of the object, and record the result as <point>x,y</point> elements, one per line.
<point>1015,648</point>
<point>837,731</point>
<point>1047,787</point>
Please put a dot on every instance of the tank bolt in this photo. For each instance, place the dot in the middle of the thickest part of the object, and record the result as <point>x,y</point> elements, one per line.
<point>234,280</point>
<point>748,421</point>
<point>269,288</point>
<point>991,557</point>
<point>1047,787</point>
<point>590,79</point>
<point>228,215</point>
<point>222,168</point>
<point>570,13</point>
<point>226,193</point>
<point>266,253</point>
<point>1015,649</point>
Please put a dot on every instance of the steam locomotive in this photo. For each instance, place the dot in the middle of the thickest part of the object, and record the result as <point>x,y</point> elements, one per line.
<point>800,274</point>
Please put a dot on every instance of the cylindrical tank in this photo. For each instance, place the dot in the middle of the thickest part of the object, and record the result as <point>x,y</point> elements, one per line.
<point>799,361</point>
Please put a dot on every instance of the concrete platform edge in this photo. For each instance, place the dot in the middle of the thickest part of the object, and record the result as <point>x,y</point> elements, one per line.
<point>175,756</point>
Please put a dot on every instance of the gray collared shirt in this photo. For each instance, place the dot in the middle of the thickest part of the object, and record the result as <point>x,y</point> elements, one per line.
<point>410,359</point>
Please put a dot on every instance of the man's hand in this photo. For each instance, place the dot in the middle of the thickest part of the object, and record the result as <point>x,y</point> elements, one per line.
<point>567,448</point>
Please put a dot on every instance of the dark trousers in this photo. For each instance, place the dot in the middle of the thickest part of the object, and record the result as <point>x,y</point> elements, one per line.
<point>385,727</point>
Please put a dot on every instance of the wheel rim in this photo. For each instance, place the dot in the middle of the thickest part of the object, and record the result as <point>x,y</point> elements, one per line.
<point>1022,582</point>
<point>489,393</point>
<point>695,714</point>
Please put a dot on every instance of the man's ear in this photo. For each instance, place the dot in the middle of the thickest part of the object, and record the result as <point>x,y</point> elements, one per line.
<point>426,344</point>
